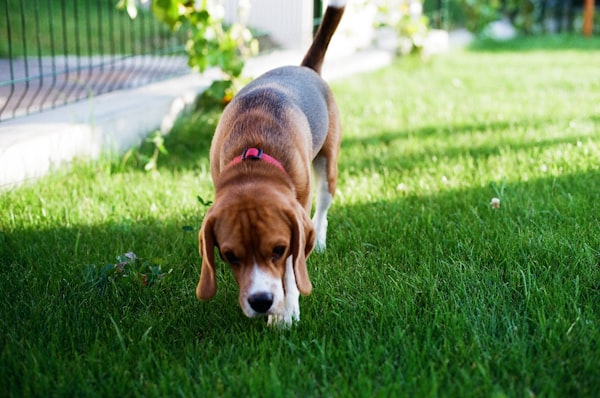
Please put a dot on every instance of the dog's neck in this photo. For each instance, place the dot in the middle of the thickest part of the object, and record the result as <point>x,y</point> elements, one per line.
<point>255,154</point>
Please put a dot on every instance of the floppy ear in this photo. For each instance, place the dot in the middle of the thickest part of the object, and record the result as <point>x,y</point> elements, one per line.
<point>207,285</point>
<point>303,241</point>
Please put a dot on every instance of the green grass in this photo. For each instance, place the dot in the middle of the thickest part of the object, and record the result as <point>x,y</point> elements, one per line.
<point>424,289</point>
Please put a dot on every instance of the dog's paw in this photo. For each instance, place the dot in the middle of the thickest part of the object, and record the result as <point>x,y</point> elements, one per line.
<point>321,238</point>
<point>290,314</point>
<point>320,245</point>
<point>283,321</point>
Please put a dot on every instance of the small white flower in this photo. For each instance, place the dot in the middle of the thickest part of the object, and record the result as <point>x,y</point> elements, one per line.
<point>495,203</point>
<point>130,255</point>
<point>402,187</point>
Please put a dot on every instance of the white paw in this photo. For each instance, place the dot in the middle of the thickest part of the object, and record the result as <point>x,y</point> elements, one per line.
<point>321,231</point>
<point>284,321</point>
<point>291,307</point>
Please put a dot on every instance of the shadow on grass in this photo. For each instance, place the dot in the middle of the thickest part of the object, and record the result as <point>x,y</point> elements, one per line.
<point>548,42</point>
<point>413,160</point>
<point>445,131</point>
<point>438,278</point>
<point>43,262</point>
<point>544,205</point>
<point>189,142</point>
<point>547,227</point>
<point>49,294</point>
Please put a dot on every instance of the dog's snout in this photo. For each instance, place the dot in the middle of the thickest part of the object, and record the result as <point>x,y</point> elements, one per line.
<point>261,302</point>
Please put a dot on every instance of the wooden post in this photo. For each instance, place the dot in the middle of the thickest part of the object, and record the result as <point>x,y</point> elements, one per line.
<point>588,17</point>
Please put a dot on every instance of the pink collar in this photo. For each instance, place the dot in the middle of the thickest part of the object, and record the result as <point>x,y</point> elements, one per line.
<point>256,154</point>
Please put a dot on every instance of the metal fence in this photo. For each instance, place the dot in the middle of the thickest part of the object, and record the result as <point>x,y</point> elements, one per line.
<point>549,16</point>
<point>55,52</point>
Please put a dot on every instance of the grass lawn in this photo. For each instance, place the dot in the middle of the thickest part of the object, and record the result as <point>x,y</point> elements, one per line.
<point>424,289</point>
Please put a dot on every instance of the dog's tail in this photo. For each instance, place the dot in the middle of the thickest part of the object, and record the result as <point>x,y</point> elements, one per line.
<point>316,53</point>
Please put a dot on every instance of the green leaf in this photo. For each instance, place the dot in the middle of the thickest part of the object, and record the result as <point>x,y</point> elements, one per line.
<point>219,91</point>
<point>150,165</point>
<point>167,11</point>
<point>203,202</point>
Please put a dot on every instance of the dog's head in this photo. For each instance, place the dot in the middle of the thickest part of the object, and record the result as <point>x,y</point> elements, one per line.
<point>256,234</point>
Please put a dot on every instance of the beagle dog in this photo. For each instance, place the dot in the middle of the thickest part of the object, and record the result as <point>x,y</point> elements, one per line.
<point>260,160</point>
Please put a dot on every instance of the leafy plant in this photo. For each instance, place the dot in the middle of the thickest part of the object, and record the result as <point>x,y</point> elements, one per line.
<point>205,204</point>
<point>524,14</point>
<point>210,42</point>
<point>406,19</point>
<point>128,270</point>
<point>157,141</point>
<point>479,13</point>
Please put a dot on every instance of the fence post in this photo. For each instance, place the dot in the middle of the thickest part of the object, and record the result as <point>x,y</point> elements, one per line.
<point>588,17</point>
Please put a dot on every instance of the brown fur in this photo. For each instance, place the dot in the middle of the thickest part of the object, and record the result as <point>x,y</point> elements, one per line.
<point>257,207</point>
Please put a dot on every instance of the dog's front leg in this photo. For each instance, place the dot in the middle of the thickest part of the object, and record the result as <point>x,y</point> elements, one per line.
<point>291,309</point>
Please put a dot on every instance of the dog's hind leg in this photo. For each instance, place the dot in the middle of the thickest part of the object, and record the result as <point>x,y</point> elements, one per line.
<point>325,167</point>
<point>324,198</point>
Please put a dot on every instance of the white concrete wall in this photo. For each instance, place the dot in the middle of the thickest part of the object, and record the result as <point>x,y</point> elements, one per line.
<point>290,22</point>
<point>111,123</point>
<point>356,30</point>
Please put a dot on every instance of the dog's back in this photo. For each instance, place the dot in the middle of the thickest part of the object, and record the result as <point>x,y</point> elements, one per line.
<point>286,88</point>
<point>298,86</point>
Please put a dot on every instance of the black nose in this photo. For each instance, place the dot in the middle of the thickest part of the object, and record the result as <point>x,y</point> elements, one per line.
<point>261,302</point>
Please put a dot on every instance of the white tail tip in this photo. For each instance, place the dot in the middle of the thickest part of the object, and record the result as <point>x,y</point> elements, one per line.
<point>337,3</point>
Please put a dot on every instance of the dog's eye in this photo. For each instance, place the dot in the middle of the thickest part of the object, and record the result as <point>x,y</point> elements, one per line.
<point>278,252</point>
<point>231,258</point>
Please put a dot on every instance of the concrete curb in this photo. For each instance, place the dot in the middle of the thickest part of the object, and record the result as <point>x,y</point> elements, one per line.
<point>114,122</point>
